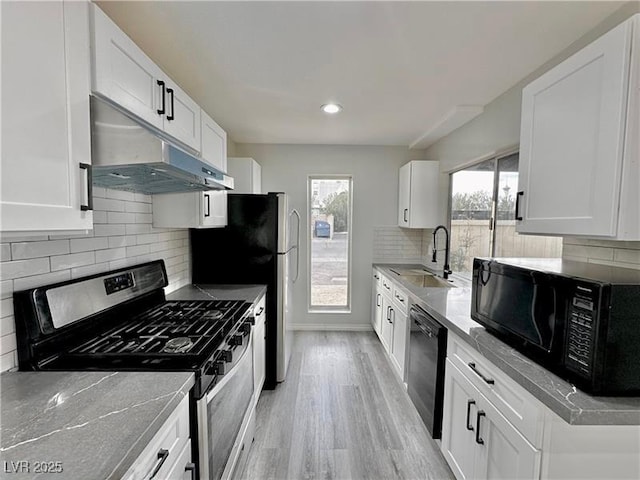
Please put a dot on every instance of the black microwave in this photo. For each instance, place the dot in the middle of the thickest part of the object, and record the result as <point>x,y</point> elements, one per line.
<point>580,320</point>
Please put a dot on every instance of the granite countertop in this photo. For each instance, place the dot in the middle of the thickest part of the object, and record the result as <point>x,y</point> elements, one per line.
<point>452,308</point>
<point>94,424</point>
<point>248,293</point>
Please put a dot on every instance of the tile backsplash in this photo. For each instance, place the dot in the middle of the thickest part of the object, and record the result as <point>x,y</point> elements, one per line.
<point>123,235</point>
<point>605,252</point>
<point>392,244</point>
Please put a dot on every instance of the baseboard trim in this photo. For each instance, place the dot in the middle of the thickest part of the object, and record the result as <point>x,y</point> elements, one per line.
<point>342,327</point>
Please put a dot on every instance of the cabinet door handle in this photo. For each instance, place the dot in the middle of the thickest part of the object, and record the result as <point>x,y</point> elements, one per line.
<point>260,311</point>
<point>191,467</point>
<point>394,316</point>
<point>161,111</point>
<point>518,195</point>
<point>479,415</point>
<point>89,205</point>
<point>404,214</point>
<point>162,457</point>
<point>469,403</point>
<point>378,302</point>
<point>173,110</point>
<point>208,209</point>
<point>472,366</point>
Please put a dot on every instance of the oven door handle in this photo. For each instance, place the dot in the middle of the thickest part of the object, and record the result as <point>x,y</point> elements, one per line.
<point>234,369</point>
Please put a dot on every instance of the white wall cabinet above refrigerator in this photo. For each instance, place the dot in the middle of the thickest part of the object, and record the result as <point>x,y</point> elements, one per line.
<point>46,143</point>
<point>214,143</point>
<point>418,194</point>
<point>579,143</point>
<point>125,75</point>
<point>190,209</point>
<point>246,173</point>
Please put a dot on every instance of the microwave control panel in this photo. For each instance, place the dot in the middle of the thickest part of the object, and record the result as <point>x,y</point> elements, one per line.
<point>582,312</point>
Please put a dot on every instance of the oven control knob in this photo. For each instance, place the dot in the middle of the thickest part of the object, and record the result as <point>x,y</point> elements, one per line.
<point>226,356</point>
<point>219,368</point>
<point>251,320</point>
<point>246,329</point>
<point>235,340</point>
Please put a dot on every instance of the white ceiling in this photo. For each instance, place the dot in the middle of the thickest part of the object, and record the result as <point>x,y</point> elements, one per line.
<point>262,69</point>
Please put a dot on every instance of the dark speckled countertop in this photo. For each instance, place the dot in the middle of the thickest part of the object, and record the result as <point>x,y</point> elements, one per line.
<point>452,308</point>
<point>95,424</point>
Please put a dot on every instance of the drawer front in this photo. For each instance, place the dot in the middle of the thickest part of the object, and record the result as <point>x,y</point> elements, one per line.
<point>171,438</point>
<point>387,286</point>
<point>514,402</point>
<point>183,468</point>
<point>401,299</point>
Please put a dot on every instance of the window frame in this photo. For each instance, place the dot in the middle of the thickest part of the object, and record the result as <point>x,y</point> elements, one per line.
<point>331,309</point>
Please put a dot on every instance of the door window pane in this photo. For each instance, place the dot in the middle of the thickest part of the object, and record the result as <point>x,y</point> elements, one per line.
<point>330,234</point>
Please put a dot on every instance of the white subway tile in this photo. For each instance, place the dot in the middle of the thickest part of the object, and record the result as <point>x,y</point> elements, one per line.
<point>24,250</point>
<point>141,197</point>
<point>23,268</point>
<point>99,192</point>
<point>62,262</point>
<point>109,230</point>
<point>108,205</point>
<point>146,258</point>
<point>110,254</point>
<point>86,244</point>
<point>87,234</point>
<point>40,280</point>
<point>89,270</point>
<point>143,218</point>
<point>118,217</point>
<point>137,229</point>
<point>13,237</point>
<point>119,241</point>
<point>5,252</point>
<point>6,289</point>
<point>137,250</point>
<point>99,217</point>
<point>119,194</point>
<point>125,262</point>
<point>7,325</point>
<point>8,343</point>
<point>7,361</point>
<point>148,238</point>
<point>6,307</point>
<point>174,260</point>
<point>137,207</point>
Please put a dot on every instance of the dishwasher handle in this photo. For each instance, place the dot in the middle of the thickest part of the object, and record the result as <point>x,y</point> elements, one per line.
<point>424,329</point>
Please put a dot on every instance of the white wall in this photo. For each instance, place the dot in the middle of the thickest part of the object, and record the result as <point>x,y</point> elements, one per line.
<point>122,235</point>
<point>498,128</point>
<point>285,168</point>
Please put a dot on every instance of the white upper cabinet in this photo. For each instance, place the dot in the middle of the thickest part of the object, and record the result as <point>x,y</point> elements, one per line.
<point>190,209</point>
<point>247,175</point>
<point>46,143</point>
<point>579,171</point>
<point>418,194</point>
<point>125,75</point>
<point>214,143</point>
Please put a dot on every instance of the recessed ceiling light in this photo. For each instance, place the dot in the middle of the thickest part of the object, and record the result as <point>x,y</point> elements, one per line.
<point>331,108</point>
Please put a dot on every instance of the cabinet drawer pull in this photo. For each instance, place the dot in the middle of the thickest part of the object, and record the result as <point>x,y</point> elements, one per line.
<point>376,277</point>
<point>469,403</point>
<point>472,366</point>
<point>162,457</point>
<point>518,195</point>
<point>162,111</point>
<point>260,311</point>
<point>400,298</point>
<point>89,205</point>
<point>191,467</point>
<point>378,300</point>
<point>404,215</point>
<point>173,110</point>
<point>480,414</point>
<point>208,209</point>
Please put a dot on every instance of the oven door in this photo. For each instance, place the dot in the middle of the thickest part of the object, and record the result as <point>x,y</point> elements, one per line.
<point>221,413</point>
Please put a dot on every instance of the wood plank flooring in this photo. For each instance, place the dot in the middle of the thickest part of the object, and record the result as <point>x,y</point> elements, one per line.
<point>342,413</point>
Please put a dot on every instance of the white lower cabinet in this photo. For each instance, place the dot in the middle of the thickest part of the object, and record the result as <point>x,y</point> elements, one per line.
<point>168,454</point>
<point>477,441</point>
<point>259,339</point>
<point>190,209</point>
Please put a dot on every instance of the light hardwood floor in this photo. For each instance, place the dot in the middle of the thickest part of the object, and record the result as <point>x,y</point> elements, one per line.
<point>341,414</point>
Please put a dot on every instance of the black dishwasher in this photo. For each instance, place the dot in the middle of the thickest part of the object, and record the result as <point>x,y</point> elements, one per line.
<point>427,353</point>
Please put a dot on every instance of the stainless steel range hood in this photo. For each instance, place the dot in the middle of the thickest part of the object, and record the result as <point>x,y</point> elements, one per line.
<point>128,154</point>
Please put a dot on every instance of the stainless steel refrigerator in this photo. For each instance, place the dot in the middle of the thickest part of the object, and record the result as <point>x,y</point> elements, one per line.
<point>260,245</point>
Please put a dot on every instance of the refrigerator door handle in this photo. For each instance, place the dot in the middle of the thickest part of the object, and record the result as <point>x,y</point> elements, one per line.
<point>297,245</point>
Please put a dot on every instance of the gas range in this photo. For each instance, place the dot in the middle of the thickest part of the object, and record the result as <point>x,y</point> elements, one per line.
<point>121,321</point>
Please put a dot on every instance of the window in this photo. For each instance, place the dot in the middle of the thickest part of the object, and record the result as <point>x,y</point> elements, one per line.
<point>329,204</point>
<point>482,216</point>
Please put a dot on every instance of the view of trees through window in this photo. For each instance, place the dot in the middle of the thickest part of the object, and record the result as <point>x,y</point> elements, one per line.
<point>330,223</point>
<point>483,200</point>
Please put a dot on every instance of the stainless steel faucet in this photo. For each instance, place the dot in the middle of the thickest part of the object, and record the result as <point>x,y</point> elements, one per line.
<point>447,270</point>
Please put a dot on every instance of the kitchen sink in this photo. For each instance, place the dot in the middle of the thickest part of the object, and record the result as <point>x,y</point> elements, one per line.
<point>422,278</point>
